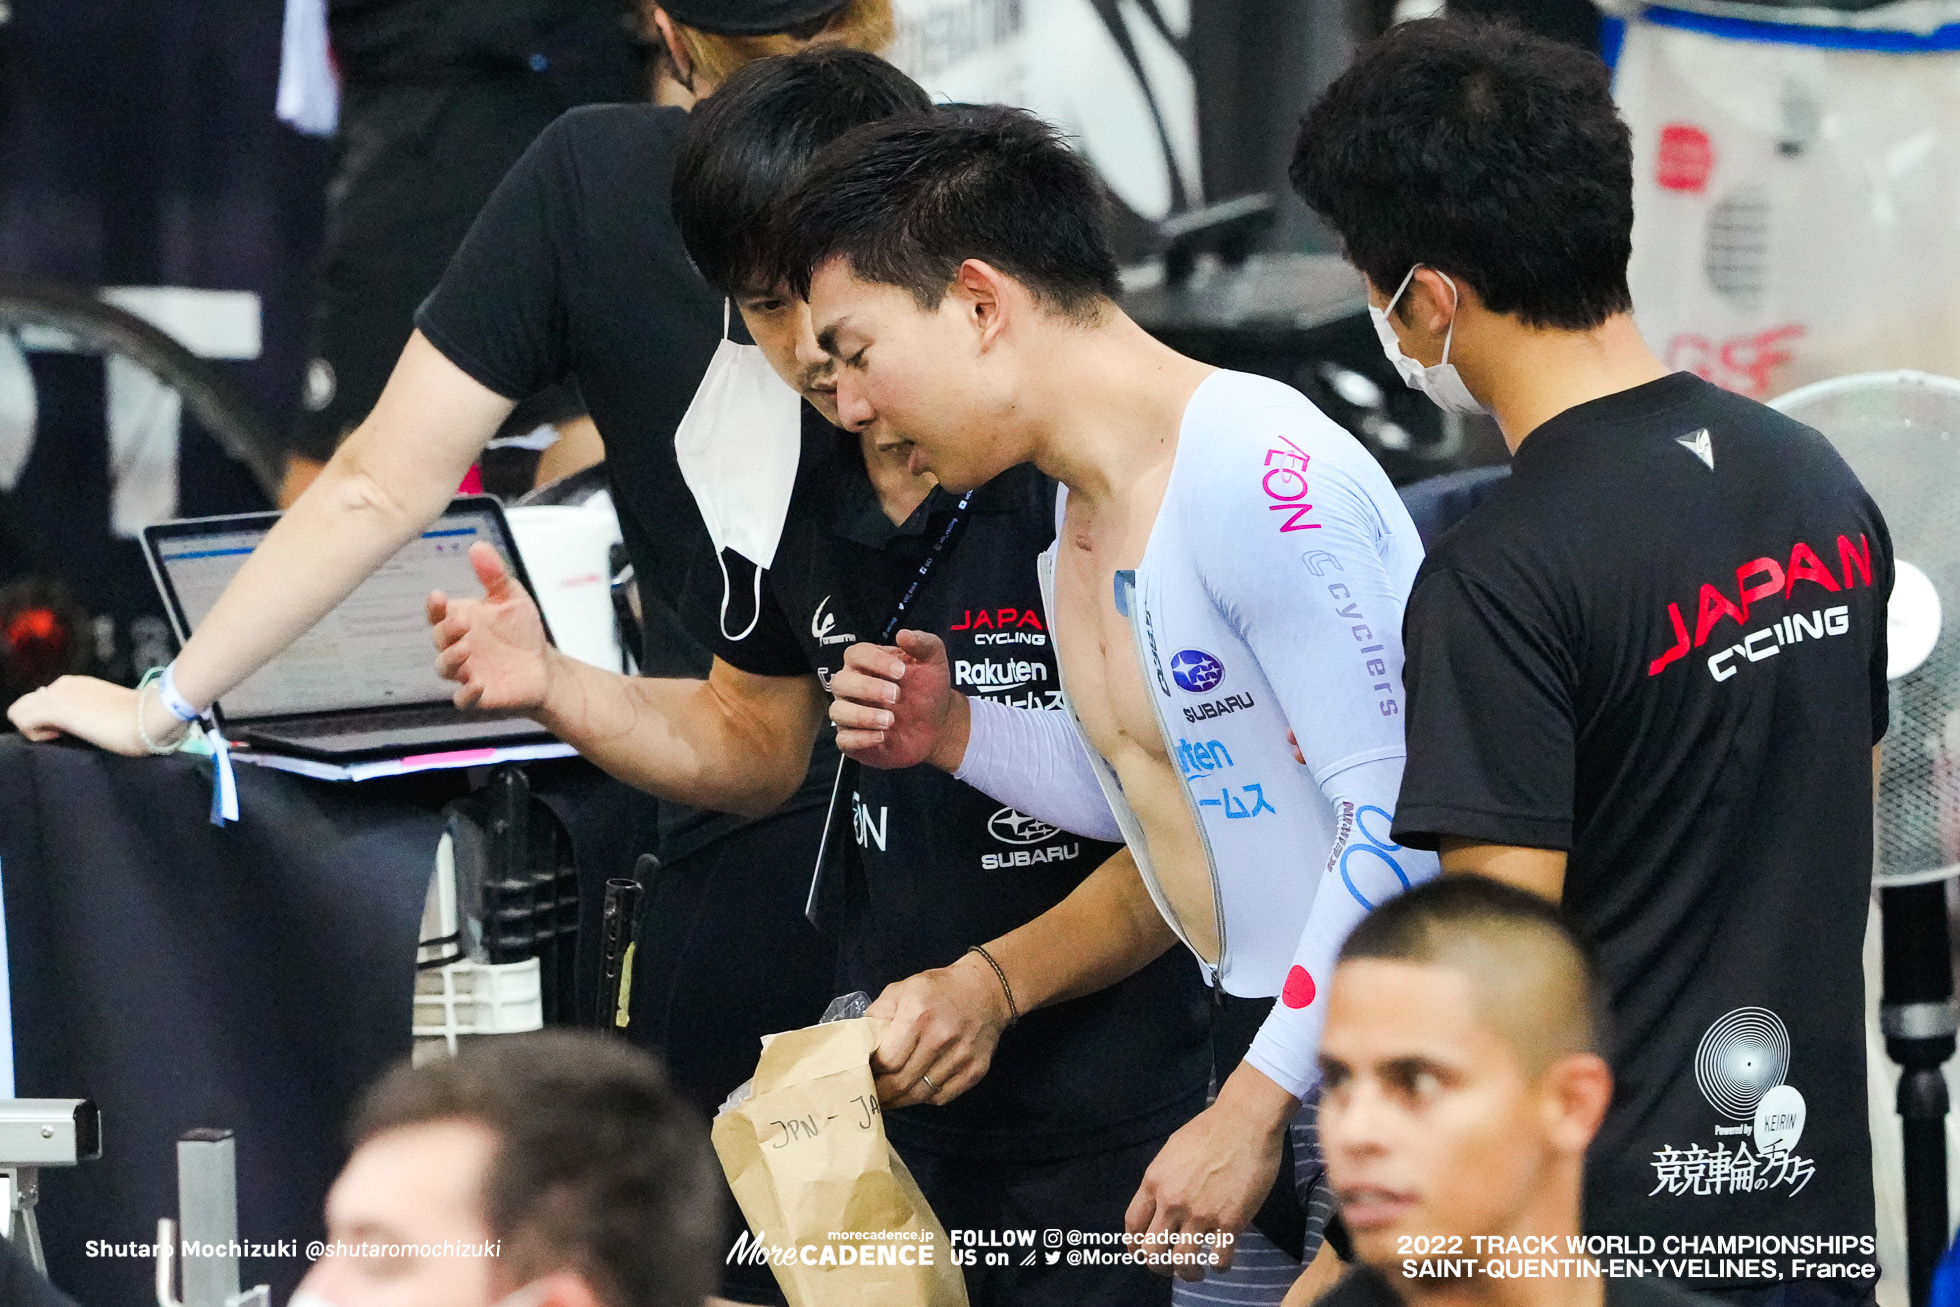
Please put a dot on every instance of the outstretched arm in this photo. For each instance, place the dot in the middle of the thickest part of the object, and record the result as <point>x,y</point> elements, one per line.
<point>736,742</point>
<point>392,477</point>
<point>1036,762</point>
<point>498,310</point>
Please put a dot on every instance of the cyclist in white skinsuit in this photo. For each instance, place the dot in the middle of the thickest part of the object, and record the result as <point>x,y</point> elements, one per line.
<point>1269,602</point>
<point>1266,609</point>
<point>1231,570</point>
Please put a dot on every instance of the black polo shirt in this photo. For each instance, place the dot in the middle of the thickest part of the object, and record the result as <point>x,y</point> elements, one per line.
<point>1660,646</point>
<point>942,865</point>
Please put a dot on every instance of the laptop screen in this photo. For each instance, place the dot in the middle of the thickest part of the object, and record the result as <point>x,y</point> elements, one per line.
<point>373,651</point>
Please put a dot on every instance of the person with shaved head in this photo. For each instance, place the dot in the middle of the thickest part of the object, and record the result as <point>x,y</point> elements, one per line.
<point>1463,1082</point>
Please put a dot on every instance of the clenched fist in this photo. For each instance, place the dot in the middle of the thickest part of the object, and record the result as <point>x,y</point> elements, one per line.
<point>895,705</point>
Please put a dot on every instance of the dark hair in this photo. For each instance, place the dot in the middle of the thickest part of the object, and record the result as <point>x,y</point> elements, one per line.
<point>1486,153</point>
<point>746,145</point>
<point>1430,923</point>
<point>600,1166</point>
<point>908,201</point>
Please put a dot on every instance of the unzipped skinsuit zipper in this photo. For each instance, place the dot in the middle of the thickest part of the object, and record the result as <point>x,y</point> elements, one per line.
<point>1128,608</point>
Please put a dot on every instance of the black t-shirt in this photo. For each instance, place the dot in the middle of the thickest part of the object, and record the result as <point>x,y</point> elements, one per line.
<point>942,865</point>
<point>1364,1286</point>
<point>584,48</point>
<point>1660,646</point>
<point>575,270</point>
<point>416,157</point>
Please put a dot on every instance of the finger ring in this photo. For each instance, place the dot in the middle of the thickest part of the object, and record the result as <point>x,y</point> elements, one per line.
<point>928,1079</point>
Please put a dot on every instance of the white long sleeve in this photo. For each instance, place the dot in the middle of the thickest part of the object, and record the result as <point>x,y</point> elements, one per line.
<point>1364,869</point>
<point>1034,762</point>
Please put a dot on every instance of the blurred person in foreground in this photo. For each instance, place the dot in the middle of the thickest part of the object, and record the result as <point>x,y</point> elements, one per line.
<point>554,1169</point>
<point>1463,1082</point>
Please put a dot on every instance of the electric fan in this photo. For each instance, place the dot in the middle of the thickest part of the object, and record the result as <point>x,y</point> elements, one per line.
<point>1900,432</point>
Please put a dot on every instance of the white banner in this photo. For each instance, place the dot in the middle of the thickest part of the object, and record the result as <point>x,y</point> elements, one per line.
<point>1793,207</point>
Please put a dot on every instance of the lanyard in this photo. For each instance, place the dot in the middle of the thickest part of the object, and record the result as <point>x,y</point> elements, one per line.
<point>955,524</point>
<point>816,907</point>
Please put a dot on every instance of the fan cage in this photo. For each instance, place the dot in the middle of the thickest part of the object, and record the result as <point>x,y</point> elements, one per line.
<point>1900,432</point>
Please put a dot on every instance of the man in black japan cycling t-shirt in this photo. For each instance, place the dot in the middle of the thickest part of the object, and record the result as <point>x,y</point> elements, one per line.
<point>1660,646</point>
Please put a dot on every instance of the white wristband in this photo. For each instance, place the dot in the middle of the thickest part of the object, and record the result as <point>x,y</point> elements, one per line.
<point>224,784</point>
<point>179,706</point>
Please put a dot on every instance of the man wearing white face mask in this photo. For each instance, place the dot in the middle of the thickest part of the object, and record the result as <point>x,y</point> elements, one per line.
<point>1078,1097</point>
<point>1442,383</point>
<point>1646,674</point>
<point>546,1170</point>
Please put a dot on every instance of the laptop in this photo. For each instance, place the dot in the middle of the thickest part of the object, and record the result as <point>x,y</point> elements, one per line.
<point>362,684</point>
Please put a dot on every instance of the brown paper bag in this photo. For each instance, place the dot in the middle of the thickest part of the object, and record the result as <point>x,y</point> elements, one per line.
<point>831,1208</point>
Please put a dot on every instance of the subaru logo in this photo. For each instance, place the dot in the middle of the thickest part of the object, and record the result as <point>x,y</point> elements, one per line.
<point>1011,827</point>
<point>1196,671</point>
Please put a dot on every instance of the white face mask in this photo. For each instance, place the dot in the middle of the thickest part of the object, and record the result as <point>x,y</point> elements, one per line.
<point>738,447</point>
<point>1441,383</point>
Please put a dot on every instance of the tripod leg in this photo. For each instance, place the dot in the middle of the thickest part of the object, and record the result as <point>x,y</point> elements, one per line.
<point>1918,1019</point>
<point>1923,1107</point>
<point>22,1185</point>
